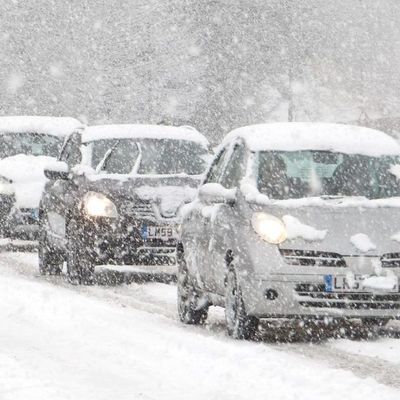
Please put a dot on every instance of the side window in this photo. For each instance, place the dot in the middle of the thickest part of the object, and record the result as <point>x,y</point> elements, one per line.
<point>235,169</point>
<point>122,158</point>
<point>71,153</point>
<point>216,168</point>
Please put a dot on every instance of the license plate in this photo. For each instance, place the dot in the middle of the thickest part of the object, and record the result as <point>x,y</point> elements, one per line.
<point>158,232</point>
<point>35,214</point>
<point>352,284</point>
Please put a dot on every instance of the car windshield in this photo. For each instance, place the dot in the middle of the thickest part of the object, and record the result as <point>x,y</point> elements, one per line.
<point>99,149</point>
<point>299,174</point>
<point>35,144</point>
<point>167,156</point>
<point>157,157</point>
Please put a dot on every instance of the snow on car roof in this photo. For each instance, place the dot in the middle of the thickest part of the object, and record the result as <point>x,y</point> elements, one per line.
<point>292,136</point>
<point>127,131</point>
<point>56,126</point>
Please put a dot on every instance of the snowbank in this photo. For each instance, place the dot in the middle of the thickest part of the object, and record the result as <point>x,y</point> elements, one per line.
<point>56,126</point>
<point>59,343</point>
<point>316,136</point>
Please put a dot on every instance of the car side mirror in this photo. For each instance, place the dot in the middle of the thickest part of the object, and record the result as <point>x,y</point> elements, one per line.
<point>57,170</point>
<point>214,193</point>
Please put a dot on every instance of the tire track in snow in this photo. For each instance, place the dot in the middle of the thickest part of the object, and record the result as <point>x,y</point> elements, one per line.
<point>362,366</point>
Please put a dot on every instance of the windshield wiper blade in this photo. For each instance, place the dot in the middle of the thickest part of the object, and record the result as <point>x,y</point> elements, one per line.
<point>332,196</point>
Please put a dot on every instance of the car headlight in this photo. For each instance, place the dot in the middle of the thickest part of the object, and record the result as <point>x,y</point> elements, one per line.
<point>6,186</point>
<point>270,228</point>
<point>98,205</point>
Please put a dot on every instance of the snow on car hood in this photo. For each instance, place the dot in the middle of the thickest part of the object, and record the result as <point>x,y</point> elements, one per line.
<point>167,193</point>
<point>343,230</point>
<point>27,175</point>
<point>169,198</point>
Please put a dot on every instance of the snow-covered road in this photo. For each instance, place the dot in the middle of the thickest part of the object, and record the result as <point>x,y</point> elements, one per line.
<point>124,342</point>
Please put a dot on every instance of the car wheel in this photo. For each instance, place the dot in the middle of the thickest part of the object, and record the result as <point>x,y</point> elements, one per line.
<point>239,325</point>
<point>50,261</point>
<point>80,266</point>
<point>191,307</point>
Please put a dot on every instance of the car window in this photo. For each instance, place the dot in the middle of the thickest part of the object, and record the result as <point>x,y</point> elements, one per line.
<point>29,143</point>
<point>235,169</point>
<point>71,153</point>
<point>216,167</point>
<point>122,158</point>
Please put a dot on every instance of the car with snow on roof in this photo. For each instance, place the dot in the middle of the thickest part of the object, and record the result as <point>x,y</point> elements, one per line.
<point>294,220</point>
<point>27,145</point>
<point>117,196</point>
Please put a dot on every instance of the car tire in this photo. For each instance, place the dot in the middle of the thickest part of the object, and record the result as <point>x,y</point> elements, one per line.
<point>239,325</point>
<point>50,260</point>
<point>191,309</point>
<point>80,266</point>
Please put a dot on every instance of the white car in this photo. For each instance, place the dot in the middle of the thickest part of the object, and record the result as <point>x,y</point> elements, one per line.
<point>27,146</point>
<point>295,220</point>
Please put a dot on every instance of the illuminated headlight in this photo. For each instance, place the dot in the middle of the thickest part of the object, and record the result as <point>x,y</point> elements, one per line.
<point>270,228</point>
<point>6,186</point>
<point>98,205</point>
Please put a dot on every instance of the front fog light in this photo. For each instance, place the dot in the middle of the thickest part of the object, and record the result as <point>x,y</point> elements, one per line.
<point>98,205</point>
<point>270,228</point>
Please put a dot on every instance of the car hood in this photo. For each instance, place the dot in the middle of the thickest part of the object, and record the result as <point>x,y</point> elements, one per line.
<point>168,194</point>
<point>353,230</point>
<point>27,174</point>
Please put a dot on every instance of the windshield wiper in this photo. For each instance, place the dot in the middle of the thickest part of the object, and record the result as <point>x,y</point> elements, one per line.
<point>332,196</point>
<point>342,197</point>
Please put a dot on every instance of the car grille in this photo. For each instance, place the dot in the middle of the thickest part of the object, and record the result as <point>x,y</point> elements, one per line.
<point>157,255</point>
<point>139,210</point>
<point>312,295</point>
<point>390,260</point>
<point>312,258</point>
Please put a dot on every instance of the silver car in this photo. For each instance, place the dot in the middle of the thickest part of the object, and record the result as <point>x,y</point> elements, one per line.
<point>294,220</point>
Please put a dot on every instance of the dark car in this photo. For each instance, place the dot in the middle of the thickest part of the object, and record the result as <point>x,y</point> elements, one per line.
<point>117,197</point>
<point>27,146</point>
<point>7,201</point>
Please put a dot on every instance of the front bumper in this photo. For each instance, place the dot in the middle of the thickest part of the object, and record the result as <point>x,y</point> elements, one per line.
<point>305,296</point>
<point>23,223</point>
<point>124,243</point>
<point>6,204</point>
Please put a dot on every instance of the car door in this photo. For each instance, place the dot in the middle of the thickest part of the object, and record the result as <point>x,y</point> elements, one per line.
<point>202,223</point>
<point>60,193</point>
<point>226,220</point>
